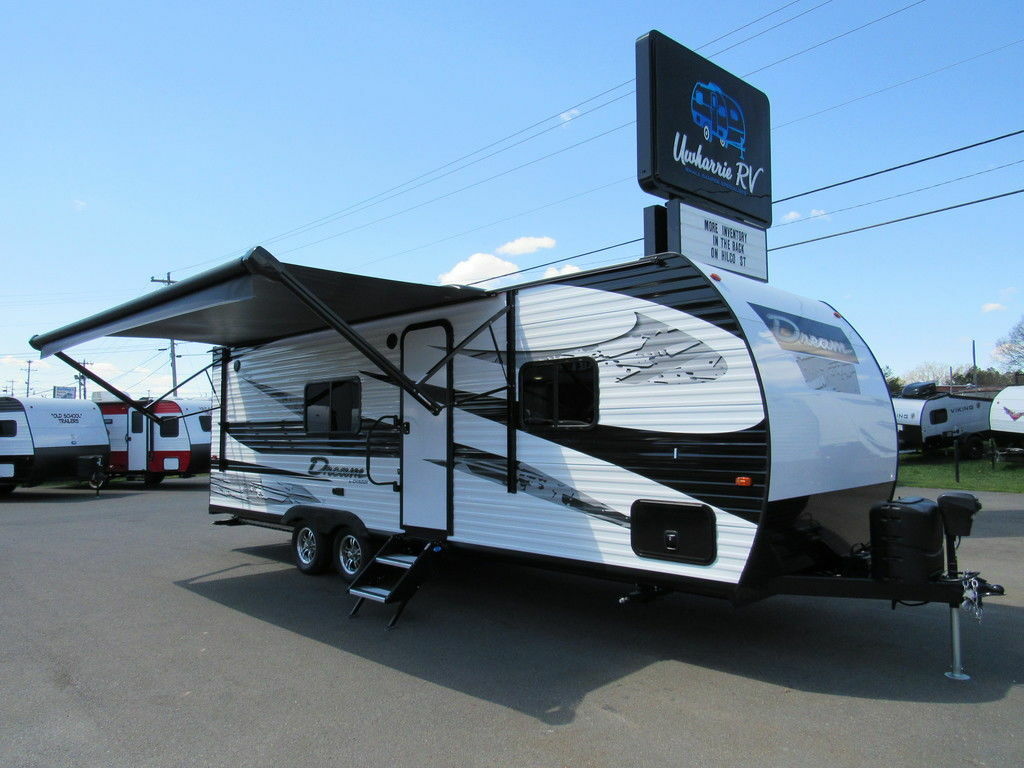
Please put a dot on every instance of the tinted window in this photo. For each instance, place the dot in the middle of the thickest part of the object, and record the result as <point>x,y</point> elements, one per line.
<point>939,416</point>
<point>170,427</point>
<point>8,428</point>
<point>136,422</point>
<point>559,393</point>
<point>333,407</point>
<point>206,422</point>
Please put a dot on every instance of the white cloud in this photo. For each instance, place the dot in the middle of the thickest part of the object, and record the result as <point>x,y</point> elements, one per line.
<point>1008,292</point>
<point>569,115</point>
<point>791,216</point>
<point>568,269</point>
<point>524,245</point>
<point>479,266</point>
<point>105,369</point>
<point>819,213</point>
<point>992,306</point>
<point>79,205</point>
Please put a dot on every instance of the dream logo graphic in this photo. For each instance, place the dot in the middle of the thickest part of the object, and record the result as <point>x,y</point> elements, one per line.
<point>1013,414</point>
<point>719,115</point>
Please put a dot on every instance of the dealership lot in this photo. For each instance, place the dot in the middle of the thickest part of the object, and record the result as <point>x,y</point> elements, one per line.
<point>134,633</point>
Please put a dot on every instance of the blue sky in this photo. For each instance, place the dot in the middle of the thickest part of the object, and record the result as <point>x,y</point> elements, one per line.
<point>145,138</point>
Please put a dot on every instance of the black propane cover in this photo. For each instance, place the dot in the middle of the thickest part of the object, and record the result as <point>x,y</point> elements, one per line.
<point>906,540</point>
<point>958,510</point>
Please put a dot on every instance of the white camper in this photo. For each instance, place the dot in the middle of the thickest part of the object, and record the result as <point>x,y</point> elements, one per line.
<point>929,421</point>
<point>1007,423</point>
<point>176,443</point>
<point>44,439</point>
<point>653,422</point>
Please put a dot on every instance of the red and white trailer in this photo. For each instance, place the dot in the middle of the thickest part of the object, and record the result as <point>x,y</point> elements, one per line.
<point>140,448</point>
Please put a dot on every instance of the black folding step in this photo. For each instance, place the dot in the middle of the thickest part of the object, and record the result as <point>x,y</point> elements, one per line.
<point>395,573</point>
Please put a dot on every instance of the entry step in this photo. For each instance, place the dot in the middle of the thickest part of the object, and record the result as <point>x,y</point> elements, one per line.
<point>377,594</point>
<point>398,561</point>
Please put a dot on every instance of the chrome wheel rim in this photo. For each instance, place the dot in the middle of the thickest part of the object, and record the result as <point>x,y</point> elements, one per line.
<point>350,554</point>
<point>305,546</point>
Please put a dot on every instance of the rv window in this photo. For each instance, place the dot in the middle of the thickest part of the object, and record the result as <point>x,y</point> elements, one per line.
<point>939,416</point>
<point>8,428</point>
<point>206,422</point>
<point>136,422</point>
<point>169,427</point>
<point>559,393</point>
<point>333,407</point>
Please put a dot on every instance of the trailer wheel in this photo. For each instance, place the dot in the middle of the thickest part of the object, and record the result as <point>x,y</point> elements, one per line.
<point>974,448</point>
<point>351,553</point>
<point>152,479</point>
<point>312,549</point>
<point>99,479</point>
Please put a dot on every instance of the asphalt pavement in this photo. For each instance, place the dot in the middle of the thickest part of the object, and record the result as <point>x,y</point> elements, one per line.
<point>133,633</point>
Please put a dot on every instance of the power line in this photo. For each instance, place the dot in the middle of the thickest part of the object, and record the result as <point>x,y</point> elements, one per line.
<point>557,261</point>
<point>901,194</point>
<point>902,165</point>
<point>833,39</point>
<point>769,29</point>
<point>463,189</point>
<point>897,221</point>
<point>897,85</point>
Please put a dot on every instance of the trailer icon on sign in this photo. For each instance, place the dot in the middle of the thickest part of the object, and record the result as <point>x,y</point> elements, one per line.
<point>719,115</point>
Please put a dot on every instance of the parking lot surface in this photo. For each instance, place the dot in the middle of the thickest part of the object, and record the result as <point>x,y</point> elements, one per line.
<point>132,633</point>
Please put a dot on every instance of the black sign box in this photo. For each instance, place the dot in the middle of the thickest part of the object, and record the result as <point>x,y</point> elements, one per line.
<point>703,135</point>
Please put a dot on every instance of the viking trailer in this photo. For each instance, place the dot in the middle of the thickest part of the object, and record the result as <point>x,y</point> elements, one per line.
<point>176,443</point>
<point>653,422</point>
<point>45,439</point>
<point>930,421</point>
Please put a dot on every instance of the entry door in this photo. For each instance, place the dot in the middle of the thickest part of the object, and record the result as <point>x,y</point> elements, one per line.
<point>426,446</point>
<point>138,440</point>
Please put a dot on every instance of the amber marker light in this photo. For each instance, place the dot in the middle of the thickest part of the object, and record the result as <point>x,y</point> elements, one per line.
<point>717,277</point>
<point>744,482</point>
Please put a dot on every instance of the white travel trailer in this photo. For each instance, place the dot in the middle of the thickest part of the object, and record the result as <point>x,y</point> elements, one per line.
<point>177,444</point>
<point>929,421</point>
<point>43,439</point>
<point>1007,421</point>
<point>654,422</point>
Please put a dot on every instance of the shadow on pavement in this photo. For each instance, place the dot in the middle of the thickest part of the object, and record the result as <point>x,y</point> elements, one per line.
<point>539,642</point>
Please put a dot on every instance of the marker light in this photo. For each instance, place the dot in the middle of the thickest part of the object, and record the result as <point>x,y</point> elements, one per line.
<point>716,276</point>
<point>744,482</point>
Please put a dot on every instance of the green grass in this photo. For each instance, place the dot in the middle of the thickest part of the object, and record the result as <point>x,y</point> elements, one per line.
<point>977,475</point>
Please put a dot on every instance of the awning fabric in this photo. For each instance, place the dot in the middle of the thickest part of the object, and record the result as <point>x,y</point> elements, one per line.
<point>246,302</point>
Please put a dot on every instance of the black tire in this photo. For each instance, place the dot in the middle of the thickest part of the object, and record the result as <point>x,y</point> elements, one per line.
<point>352,551</point>
<point>152,479</point>
<point>99,479</point>
<point>7,489</point>
<point>312,549</point>
<point>974,448</point>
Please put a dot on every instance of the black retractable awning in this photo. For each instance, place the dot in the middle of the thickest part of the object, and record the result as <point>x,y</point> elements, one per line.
<point>257,299</point>
<point>245,302</point>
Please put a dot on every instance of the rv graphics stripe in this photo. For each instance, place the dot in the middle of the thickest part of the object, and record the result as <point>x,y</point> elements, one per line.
<point>491,467</point>
<point>650,352</point>
<point>702,466</point>
<point>259,491</point>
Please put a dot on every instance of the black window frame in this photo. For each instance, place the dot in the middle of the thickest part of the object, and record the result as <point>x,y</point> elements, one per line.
<point>8,431</point>
<point>136,423</point>
<point>206,422</point>
<point>170,427</point>
<point>356,418</point>
<point>555,423</point>
<point>934,416</point>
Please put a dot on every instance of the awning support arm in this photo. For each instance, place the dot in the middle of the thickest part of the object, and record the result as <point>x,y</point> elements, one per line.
<point>152,403</point>
<point>262,262</point>
<point>463,344</point>
<point>141,407</point>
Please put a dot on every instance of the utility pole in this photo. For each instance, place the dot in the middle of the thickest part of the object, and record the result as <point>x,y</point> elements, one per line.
<point>80,378</point>
<point>28,377</point>
<point>974,361</point>
<point>174,364</point>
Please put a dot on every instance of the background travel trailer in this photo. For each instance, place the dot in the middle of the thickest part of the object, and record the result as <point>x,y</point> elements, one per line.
<point>1007,422</point>
<point>178,445</point>
<point>44,439</point>
<point>931,421</point>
